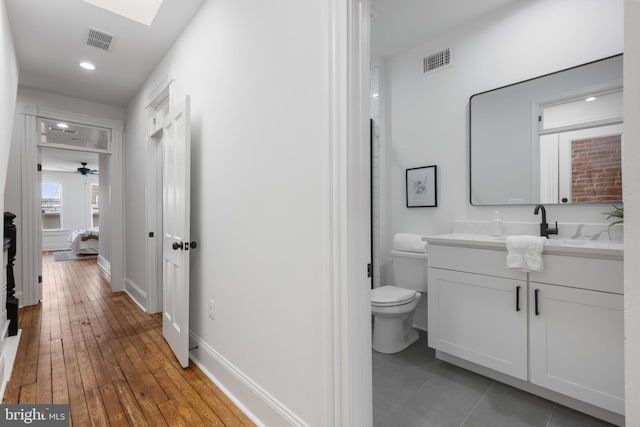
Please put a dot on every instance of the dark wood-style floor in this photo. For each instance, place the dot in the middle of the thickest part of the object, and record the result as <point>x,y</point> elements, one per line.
<point>96,350</point>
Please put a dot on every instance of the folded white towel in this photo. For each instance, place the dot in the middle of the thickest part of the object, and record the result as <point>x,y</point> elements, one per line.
<point>409,243</point>
<point>525,253</point>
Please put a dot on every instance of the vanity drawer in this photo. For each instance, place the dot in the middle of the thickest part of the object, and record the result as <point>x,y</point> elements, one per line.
<point>585,273</point>
<point>472,260</point>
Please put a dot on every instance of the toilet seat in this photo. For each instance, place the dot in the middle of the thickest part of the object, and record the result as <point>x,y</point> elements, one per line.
<point>389,296</point>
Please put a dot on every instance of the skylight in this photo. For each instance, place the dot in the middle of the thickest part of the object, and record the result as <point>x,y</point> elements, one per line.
<point>142,11</point>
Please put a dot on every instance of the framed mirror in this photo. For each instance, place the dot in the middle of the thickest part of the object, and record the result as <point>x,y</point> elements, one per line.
<point>551,139</point>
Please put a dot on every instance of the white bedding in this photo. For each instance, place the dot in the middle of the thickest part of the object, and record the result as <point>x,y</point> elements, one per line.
<point>84,241</point>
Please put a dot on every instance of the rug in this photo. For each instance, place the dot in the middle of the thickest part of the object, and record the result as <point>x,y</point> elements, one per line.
<point>71,256</point>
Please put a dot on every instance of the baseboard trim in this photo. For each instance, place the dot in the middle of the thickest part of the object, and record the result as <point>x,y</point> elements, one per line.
<point>242,390</point>
<point>53,247</point>
<point>18,295</point>
<point>104,264</point>
<point>136,294</point>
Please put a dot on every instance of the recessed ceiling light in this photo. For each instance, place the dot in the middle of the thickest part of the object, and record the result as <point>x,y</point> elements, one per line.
<point>87,66</point>
<point>591,98</point>
<point>375,95</point>
<point>62,125</point>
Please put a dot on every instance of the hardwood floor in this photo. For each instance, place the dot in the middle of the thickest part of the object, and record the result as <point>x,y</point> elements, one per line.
<point>99,352</point>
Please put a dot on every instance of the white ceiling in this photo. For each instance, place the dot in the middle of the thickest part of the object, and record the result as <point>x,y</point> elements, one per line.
<point>49,39</point>
<point>49,42</point>
<point>57,160</point>
<point>401,25</point>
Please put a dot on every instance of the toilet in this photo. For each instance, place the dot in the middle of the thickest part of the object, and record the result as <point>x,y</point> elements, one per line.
<point>393,307</point>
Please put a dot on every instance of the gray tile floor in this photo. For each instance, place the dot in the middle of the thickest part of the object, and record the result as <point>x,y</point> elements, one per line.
<point>414,389</point>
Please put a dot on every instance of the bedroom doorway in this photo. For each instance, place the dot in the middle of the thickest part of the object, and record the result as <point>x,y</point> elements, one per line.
<point>33,119</point>
<point>74,196</point>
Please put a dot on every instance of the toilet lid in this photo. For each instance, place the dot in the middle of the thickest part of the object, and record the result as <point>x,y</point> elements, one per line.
<point>391,295</point>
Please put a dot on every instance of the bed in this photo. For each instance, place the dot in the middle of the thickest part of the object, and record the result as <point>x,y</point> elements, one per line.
<point>84,242</point>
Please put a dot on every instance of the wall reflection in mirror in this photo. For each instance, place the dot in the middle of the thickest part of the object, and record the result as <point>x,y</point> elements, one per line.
<point>551,139</point>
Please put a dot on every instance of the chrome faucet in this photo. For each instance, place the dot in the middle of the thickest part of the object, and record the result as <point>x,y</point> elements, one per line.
<point>545,230</point>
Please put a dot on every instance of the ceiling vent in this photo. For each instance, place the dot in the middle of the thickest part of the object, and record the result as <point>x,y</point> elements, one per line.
<point>436,61</point>
<point>99,39</point>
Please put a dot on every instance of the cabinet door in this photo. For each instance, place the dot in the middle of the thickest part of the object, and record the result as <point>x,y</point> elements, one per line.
<point>479,318</point>
<point>576,344</point>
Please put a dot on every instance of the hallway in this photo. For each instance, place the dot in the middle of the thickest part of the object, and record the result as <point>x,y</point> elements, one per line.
<point>98,351</point>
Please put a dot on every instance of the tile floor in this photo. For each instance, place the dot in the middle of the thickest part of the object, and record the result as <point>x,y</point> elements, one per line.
<point>414,389</point>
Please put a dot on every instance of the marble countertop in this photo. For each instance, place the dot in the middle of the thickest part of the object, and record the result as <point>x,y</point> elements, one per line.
<point>553,246</point>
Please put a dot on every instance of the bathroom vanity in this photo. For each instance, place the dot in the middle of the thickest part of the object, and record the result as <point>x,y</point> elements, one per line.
<point>557,333</point>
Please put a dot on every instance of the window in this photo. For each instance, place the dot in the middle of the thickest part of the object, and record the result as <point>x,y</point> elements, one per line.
<point>51,206</point>
<point>95,206</point>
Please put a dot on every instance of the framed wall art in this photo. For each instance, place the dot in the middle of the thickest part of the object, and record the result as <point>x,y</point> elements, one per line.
<point>421,187</point>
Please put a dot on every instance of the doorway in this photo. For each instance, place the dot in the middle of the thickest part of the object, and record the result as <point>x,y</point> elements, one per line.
<point>36,120</point>
<point>70,159</point>
<point>74,204</point>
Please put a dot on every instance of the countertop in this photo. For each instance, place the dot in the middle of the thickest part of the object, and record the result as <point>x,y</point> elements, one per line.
<point>569,247</point>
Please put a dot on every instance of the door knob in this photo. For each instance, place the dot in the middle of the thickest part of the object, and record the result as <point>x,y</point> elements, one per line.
<point>193,244</point>
<point>177,246</point>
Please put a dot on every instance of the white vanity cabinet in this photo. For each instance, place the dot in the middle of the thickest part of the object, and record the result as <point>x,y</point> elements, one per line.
<point>557,333</point>
<point>576,338</point>
<point>479,318</point>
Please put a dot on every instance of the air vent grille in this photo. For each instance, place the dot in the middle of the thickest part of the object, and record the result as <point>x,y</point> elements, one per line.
<point>436,61</point>
<point>100,39</point>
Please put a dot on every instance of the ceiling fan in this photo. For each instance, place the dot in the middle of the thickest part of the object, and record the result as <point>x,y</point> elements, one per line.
<point>84,170</point>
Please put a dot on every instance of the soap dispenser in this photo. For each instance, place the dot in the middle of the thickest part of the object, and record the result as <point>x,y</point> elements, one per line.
<point>496,224</point>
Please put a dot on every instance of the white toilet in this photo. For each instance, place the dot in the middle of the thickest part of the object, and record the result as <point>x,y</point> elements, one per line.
<point>393,307</point>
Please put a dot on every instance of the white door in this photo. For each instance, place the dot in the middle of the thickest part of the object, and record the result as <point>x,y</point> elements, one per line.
<point>577,344</point>
<point>479,318</point>
<point>176,180</point>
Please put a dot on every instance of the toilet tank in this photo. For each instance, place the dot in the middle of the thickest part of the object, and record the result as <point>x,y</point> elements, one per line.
<point>410,270</point>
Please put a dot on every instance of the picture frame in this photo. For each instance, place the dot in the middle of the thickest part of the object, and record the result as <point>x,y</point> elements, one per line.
<point>421,187</point>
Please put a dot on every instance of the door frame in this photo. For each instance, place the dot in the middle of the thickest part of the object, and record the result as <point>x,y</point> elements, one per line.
<point>153,189</point>
<point>349,304</point>
<point>31,238</point>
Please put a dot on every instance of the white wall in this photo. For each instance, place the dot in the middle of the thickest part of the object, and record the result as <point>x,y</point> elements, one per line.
<point>8,89</point>
<point>75,207</point>
<point>428,115</point>
<point>631,179</point>
<point>29,96</point>
<point>258,75</point>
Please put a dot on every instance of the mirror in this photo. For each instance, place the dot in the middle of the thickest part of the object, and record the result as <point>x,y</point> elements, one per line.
<point>551,139</point>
